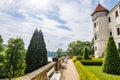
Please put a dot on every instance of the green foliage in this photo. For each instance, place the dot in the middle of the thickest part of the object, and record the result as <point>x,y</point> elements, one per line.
<point>59,53</point>
<point>97,70</point>
<point>111,60</point>
<point>1,44</point>
<point>77,47</point>
<point>36,55</point>
<point>119,51</point>
<point>15,58</point>
<point>79,57</point>
<point>84,73</point>
<point>3,70</point>
<point>2,57</point>
<point>2,65</point>
<point>1,40</point>
<point>85,54</point>
<point>74,59</point>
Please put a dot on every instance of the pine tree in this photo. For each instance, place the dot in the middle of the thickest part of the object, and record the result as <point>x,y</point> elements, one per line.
<point>111,59</point>
<point>85,54</point>
<point>36,55</point>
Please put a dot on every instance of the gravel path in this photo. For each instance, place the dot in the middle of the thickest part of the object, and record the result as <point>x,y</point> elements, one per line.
<point>70,72</point>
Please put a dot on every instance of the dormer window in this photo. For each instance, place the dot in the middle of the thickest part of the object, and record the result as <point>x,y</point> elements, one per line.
<point>109,19</point>
<point>116,13</point>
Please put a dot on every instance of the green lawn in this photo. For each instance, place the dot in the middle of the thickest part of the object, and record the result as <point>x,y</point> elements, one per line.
<point>97,70</point>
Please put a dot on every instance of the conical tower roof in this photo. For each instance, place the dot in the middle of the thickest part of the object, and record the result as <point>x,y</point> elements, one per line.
<point>99,8</point>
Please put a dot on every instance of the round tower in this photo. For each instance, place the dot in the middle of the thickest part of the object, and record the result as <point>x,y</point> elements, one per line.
<point>100,29</point>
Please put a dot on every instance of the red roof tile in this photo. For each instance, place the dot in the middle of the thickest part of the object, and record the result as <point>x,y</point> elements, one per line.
<point>99,8</point>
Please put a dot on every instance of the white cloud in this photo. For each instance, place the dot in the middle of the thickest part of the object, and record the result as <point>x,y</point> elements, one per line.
<point>76,14</point>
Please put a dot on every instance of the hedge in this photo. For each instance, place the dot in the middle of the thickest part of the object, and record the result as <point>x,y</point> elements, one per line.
<point>84,73</point>
<point>74,59</point>
<point>92,62</point>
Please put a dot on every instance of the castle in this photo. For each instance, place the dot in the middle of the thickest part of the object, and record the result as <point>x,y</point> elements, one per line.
<point>105,23</point>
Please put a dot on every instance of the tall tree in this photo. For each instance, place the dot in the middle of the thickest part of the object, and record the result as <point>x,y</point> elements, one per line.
<point>74,48</point>
<point>1,44</point>
<point>15,56</point>
<point>77,47</point>
<point>59,53</point>
<point>36,55</point>
<point>111,62</point>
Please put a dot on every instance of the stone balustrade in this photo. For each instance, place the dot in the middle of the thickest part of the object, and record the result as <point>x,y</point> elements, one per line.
<point>45,72</point>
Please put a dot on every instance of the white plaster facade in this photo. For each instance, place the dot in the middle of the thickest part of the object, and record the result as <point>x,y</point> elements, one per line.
<point>106,24</point>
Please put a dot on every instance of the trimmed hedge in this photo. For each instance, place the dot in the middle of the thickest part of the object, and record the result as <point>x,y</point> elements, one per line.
<point>92,62</point>
<point>74,59</point>
<point>84,73</point>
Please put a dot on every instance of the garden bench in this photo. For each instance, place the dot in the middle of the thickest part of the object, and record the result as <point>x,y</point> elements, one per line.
<point>56,76</point>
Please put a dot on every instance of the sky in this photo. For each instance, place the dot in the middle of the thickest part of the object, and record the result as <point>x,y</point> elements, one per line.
<point>61,21</point>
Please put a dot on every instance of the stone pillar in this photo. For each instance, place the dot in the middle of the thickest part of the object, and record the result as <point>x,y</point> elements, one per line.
<point>56,60</point>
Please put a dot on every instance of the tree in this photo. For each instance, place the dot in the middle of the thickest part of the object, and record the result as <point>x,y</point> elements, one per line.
<point>77,47</point>
<point>74,48</point>
<point>85,54</point>
<point>36,55</point>
<point>1,44</point>
<point>59,53</point>
<point>15,56</point>
<point>111,59</point>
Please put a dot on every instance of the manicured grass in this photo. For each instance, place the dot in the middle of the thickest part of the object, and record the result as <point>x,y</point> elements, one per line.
<point>97,70</point>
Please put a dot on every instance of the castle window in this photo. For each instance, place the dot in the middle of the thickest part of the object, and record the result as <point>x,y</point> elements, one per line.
<point>94,24</point>
<point>118,45</point>
<point>118,31</point>
<point>109,19</point>
<point>116,13</point>
<point>95,37</point>
<point>95,48</point>
<point>111,33</point>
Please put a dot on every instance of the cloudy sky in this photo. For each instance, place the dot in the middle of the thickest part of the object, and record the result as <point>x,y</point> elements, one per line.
<point>61,21</point>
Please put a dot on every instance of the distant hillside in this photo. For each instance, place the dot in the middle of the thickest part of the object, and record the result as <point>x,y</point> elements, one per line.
<point>51,54</point>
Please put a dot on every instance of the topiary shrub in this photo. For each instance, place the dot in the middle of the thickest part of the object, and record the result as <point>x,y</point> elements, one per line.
<point>85,54</point>
<point>111,59</point>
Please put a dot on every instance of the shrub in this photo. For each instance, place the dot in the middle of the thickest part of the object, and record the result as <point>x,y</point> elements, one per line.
<point>85,54</point>
<point>92,62</point>
<point>79,57</point>
<point>84,73</point>
<point>74,59</point>
<point>111,60</point>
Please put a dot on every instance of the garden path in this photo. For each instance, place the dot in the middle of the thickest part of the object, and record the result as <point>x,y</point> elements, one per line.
<point>70,72</point>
